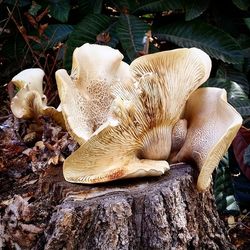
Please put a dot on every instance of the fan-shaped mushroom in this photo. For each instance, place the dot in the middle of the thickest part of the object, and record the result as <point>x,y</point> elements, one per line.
<point>30,102</point>
<point>136,139</point>
<point>212,125</point>
<point>32,78</point>
<point>86,94</point>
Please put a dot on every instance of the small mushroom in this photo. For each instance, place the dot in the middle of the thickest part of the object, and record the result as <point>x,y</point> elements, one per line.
<point>212,125</point>
<point>86,94</point>
<point>32,78</point>
<point>136,139</point>
<point>30,83</point>
<point>30,102</point>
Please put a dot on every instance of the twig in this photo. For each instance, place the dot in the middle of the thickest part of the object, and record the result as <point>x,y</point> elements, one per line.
<point>5,25</point>
<point>26,40</point>
<point>2,118</point>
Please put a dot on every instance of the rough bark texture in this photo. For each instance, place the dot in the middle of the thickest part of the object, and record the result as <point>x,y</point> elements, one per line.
<point>164,213</point>
<point>157,213</point>
<point>43,211</point>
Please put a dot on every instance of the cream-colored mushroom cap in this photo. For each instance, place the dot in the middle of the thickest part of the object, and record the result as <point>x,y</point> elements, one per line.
<point>212,125</point>
<point>181,70</point>
<point>136,139</point>
<point>86,94</point>
<point>33,78</point>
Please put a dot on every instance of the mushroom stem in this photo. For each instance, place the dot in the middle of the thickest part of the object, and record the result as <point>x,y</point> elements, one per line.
<point>157,143</point>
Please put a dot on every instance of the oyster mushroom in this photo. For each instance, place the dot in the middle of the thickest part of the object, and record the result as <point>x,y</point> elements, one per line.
<point>136,139</point>
<point>86,94</point>
<point>32,78</point>
<point>30,102</point>
<point>212,124</point>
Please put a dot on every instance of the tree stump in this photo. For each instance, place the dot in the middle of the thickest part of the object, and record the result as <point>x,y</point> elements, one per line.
<point>40,210</point>
<point>149,213</point>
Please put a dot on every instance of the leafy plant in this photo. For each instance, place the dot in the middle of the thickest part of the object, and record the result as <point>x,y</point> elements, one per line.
<point>223,189</point>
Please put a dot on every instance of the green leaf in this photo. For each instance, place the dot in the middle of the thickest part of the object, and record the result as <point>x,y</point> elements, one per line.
<point>97,6</point>
<point>122,5</point>
<point>212,40</point>
<point>151,6</point>
<point>230,73</point>
<point>232,204</point>
<point>85,32</point>
<point>130,31</point>
<point>247,22</point>
<point>59,9</point>
<point>242,106</point>
<point>34,8</point>
<point>234,90</point>
<point>235,94</point>
<point>21,3</point>
<point>195,8</point>
<point>242,4</point>
<point>90,7</point>
<point>223,188</point>
<point>57,33</point>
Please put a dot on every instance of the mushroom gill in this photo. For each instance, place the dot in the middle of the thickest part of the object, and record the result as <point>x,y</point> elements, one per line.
<point>212,125</point>
<point>136,139</point>
<point>86,94</point>
<point>177,73</point>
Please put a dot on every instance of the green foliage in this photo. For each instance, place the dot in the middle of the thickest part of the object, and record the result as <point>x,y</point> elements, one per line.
<point>242,4</point>
<point>57,33</point>
<point>215,42</point>
<point>223,189</point>
<point>159,6</point>
<point>59,9</point>
<point>194,8</point>
<point>130,32</point>
<point>85,32</point>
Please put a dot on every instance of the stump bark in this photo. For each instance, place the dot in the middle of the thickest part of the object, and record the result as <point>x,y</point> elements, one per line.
<point>155,213</point>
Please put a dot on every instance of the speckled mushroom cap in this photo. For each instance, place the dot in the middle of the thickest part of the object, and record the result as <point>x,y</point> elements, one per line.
<point>136,139</point>
<point>86,94</point>
<point>212,125</point>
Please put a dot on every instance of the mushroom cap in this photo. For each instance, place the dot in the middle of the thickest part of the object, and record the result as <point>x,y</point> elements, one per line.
<point>33,78</point>
<point>136,139</point>
<point>93,61</point>
<point>86,95</point>
<point>110,154</point>
<point>181,70</point>
<point>212,125</point>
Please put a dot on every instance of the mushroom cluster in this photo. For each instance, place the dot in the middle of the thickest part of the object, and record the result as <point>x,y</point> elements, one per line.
<point>131,120</point>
